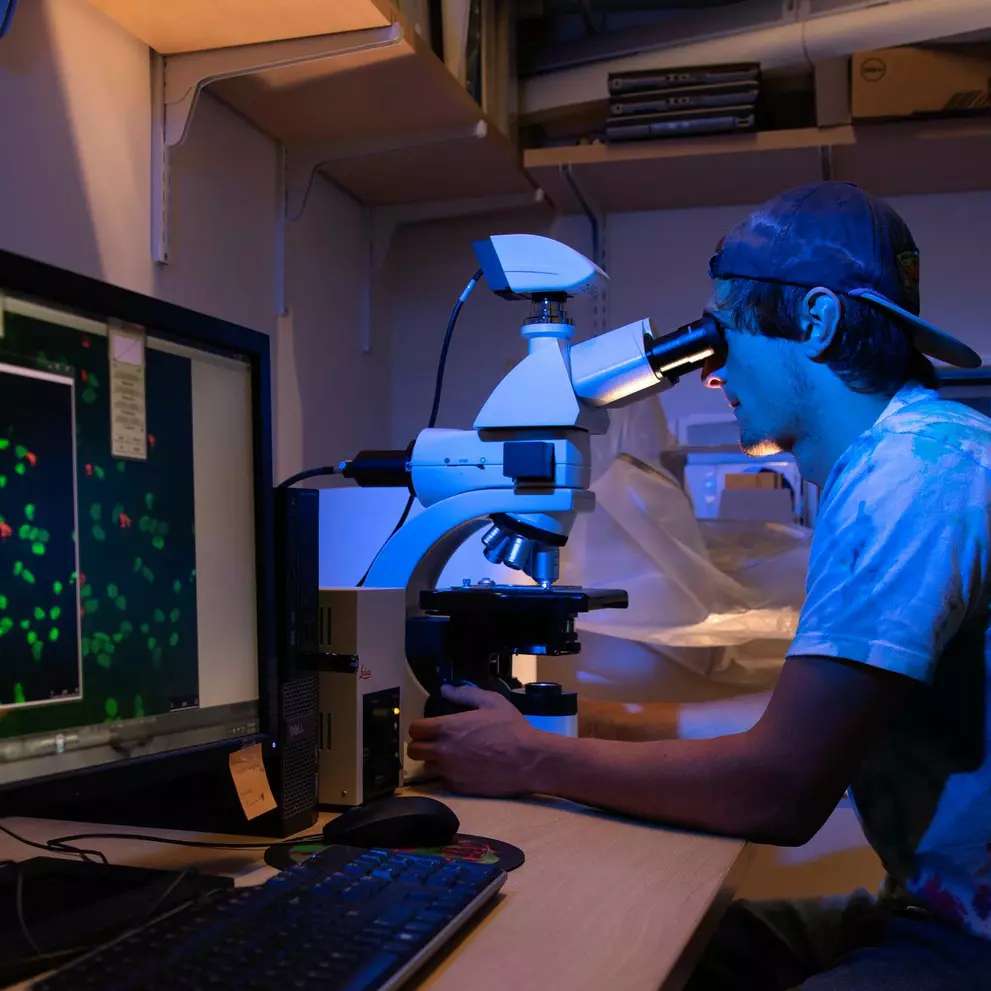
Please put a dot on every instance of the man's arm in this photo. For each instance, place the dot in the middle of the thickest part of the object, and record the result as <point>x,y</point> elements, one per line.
<point>670,720</point>
<point>775,783</point>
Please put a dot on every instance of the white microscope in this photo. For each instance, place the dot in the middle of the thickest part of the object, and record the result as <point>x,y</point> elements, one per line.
<point>522,475</point>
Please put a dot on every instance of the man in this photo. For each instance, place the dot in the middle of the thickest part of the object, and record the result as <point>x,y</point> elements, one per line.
<point>885,688</point>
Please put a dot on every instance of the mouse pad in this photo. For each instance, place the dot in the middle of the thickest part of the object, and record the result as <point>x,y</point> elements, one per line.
<point>478,849</point>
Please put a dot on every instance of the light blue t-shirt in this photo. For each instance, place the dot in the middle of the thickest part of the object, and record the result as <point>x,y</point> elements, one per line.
<point>900,578</point>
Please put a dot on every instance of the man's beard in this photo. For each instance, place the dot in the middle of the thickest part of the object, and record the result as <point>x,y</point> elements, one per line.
<point>758,447</point>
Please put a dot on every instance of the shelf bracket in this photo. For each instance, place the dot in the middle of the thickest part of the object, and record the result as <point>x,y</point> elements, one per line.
<point>600,255</point>
<point>304,161</point>
<point>178,80</point>
<point>826,162</point>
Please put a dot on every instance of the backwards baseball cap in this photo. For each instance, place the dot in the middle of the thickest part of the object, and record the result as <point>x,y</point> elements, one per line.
<point>836,235</point>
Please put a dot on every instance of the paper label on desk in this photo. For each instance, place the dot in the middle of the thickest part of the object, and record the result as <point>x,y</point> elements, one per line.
<point>251,781</point>
<point>128,409</point>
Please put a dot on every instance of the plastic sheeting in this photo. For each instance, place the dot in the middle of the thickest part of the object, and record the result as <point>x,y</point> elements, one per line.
<point>719,597</point>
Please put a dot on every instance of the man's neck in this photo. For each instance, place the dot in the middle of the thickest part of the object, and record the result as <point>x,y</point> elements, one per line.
<point>842,416</point>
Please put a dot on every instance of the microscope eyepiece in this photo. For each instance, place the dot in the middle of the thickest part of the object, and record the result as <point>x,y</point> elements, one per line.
<point>687,349</point>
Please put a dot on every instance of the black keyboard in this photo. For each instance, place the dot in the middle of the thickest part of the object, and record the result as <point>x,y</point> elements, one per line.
<point>343,920</point>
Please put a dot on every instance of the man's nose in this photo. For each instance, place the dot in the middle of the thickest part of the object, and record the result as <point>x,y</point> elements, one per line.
<point>710,372</point>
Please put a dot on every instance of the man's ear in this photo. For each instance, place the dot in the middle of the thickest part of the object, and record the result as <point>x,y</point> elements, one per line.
<point>819,317</point>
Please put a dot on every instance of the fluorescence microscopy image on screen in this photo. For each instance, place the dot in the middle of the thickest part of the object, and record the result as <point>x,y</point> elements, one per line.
<point>136,536</point>
<point>39,623</point>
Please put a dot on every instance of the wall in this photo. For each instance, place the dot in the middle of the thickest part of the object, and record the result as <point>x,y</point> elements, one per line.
<point>75,118</point>
<point>657,263</point>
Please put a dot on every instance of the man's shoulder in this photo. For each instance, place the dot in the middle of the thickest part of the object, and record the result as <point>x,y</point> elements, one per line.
<point>934,431</point>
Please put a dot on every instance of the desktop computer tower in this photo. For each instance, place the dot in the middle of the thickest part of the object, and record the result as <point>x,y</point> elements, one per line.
<point>362,658</point>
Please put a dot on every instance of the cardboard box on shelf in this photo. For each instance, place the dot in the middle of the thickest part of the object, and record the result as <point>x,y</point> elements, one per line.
<point>763,480</point>
<point>916,81</point>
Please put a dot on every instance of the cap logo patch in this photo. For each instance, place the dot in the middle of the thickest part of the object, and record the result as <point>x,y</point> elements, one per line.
<point>908,273</point>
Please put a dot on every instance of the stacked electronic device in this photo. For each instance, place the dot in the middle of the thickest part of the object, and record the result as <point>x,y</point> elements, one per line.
<point>651,104</point>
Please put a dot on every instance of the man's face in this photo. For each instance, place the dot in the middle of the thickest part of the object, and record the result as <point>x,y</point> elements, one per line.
<point>762,381</point>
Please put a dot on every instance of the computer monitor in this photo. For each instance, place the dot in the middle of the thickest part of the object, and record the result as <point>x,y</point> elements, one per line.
<point>136,585</point>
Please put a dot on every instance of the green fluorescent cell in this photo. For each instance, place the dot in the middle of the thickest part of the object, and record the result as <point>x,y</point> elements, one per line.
<point>38,549</point>
<point>95,510</point>
<point>19,697</point>
<point>120,467</point>
<point>25,624</point>
<point>3,602</point>
<point>21,451</point>
<point>145,628</point>
<point>44,536</point>
<point>159,616</point>
<point>150,500</point>
<point>87,591</point>
<point>91,606</point>
<point>4,443</point>
<point>29,512</point>
<point>137,565</point>
<point>3,481</point>
<point>126,627</point>
<point>5,625</point>
<point>28,576</point>
<point>39,613</point>
<point>37,649</point>
<point>158,543</point>
<point>148,574</point>
<point>54,613</point>
<point>151,643</point>
<point>111,708</point>
<point>143,524</point>
<point>120,602</point>
<point>99,472</point>
<point>94,381</point>
<point>115,513</point>
<point>18,568</point>
<point>57,588</point>
<point>118,637</point>
<point>98,532</point>
<point>174,639</point>
<point>103,660</point>
<point>153,526</point>
<point>177,586</point>
<point>112,591</point>
<point>89,396</point>
<point>20,469</point>
<point>174,615</point>
<point>156,657</point>
<point>53,634</point>
<point>163,529</point>
<point>32,637</point>
<point>24,531</point>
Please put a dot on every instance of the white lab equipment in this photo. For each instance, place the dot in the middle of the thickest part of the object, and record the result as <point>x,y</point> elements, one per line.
<point>522,474</point>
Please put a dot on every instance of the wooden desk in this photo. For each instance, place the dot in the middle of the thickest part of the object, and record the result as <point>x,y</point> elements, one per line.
<point>600,903</point>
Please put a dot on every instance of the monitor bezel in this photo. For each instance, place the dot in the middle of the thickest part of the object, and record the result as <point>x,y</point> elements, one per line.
<point>48,285</point>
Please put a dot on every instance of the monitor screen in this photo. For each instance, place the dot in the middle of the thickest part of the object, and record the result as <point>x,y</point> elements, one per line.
<point>127,544</point>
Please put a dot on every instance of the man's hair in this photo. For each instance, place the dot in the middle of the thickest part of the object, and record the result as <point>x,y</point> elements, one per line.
<point>872,351</point>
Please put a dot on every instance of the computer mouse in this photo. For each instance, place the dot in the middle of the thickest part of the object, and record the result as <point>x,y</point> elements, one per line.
<point>413,821</point>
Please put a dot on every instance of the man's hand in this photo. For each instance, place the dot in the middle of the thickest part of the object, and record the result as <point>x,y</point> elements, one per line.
<point>492,750</point>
